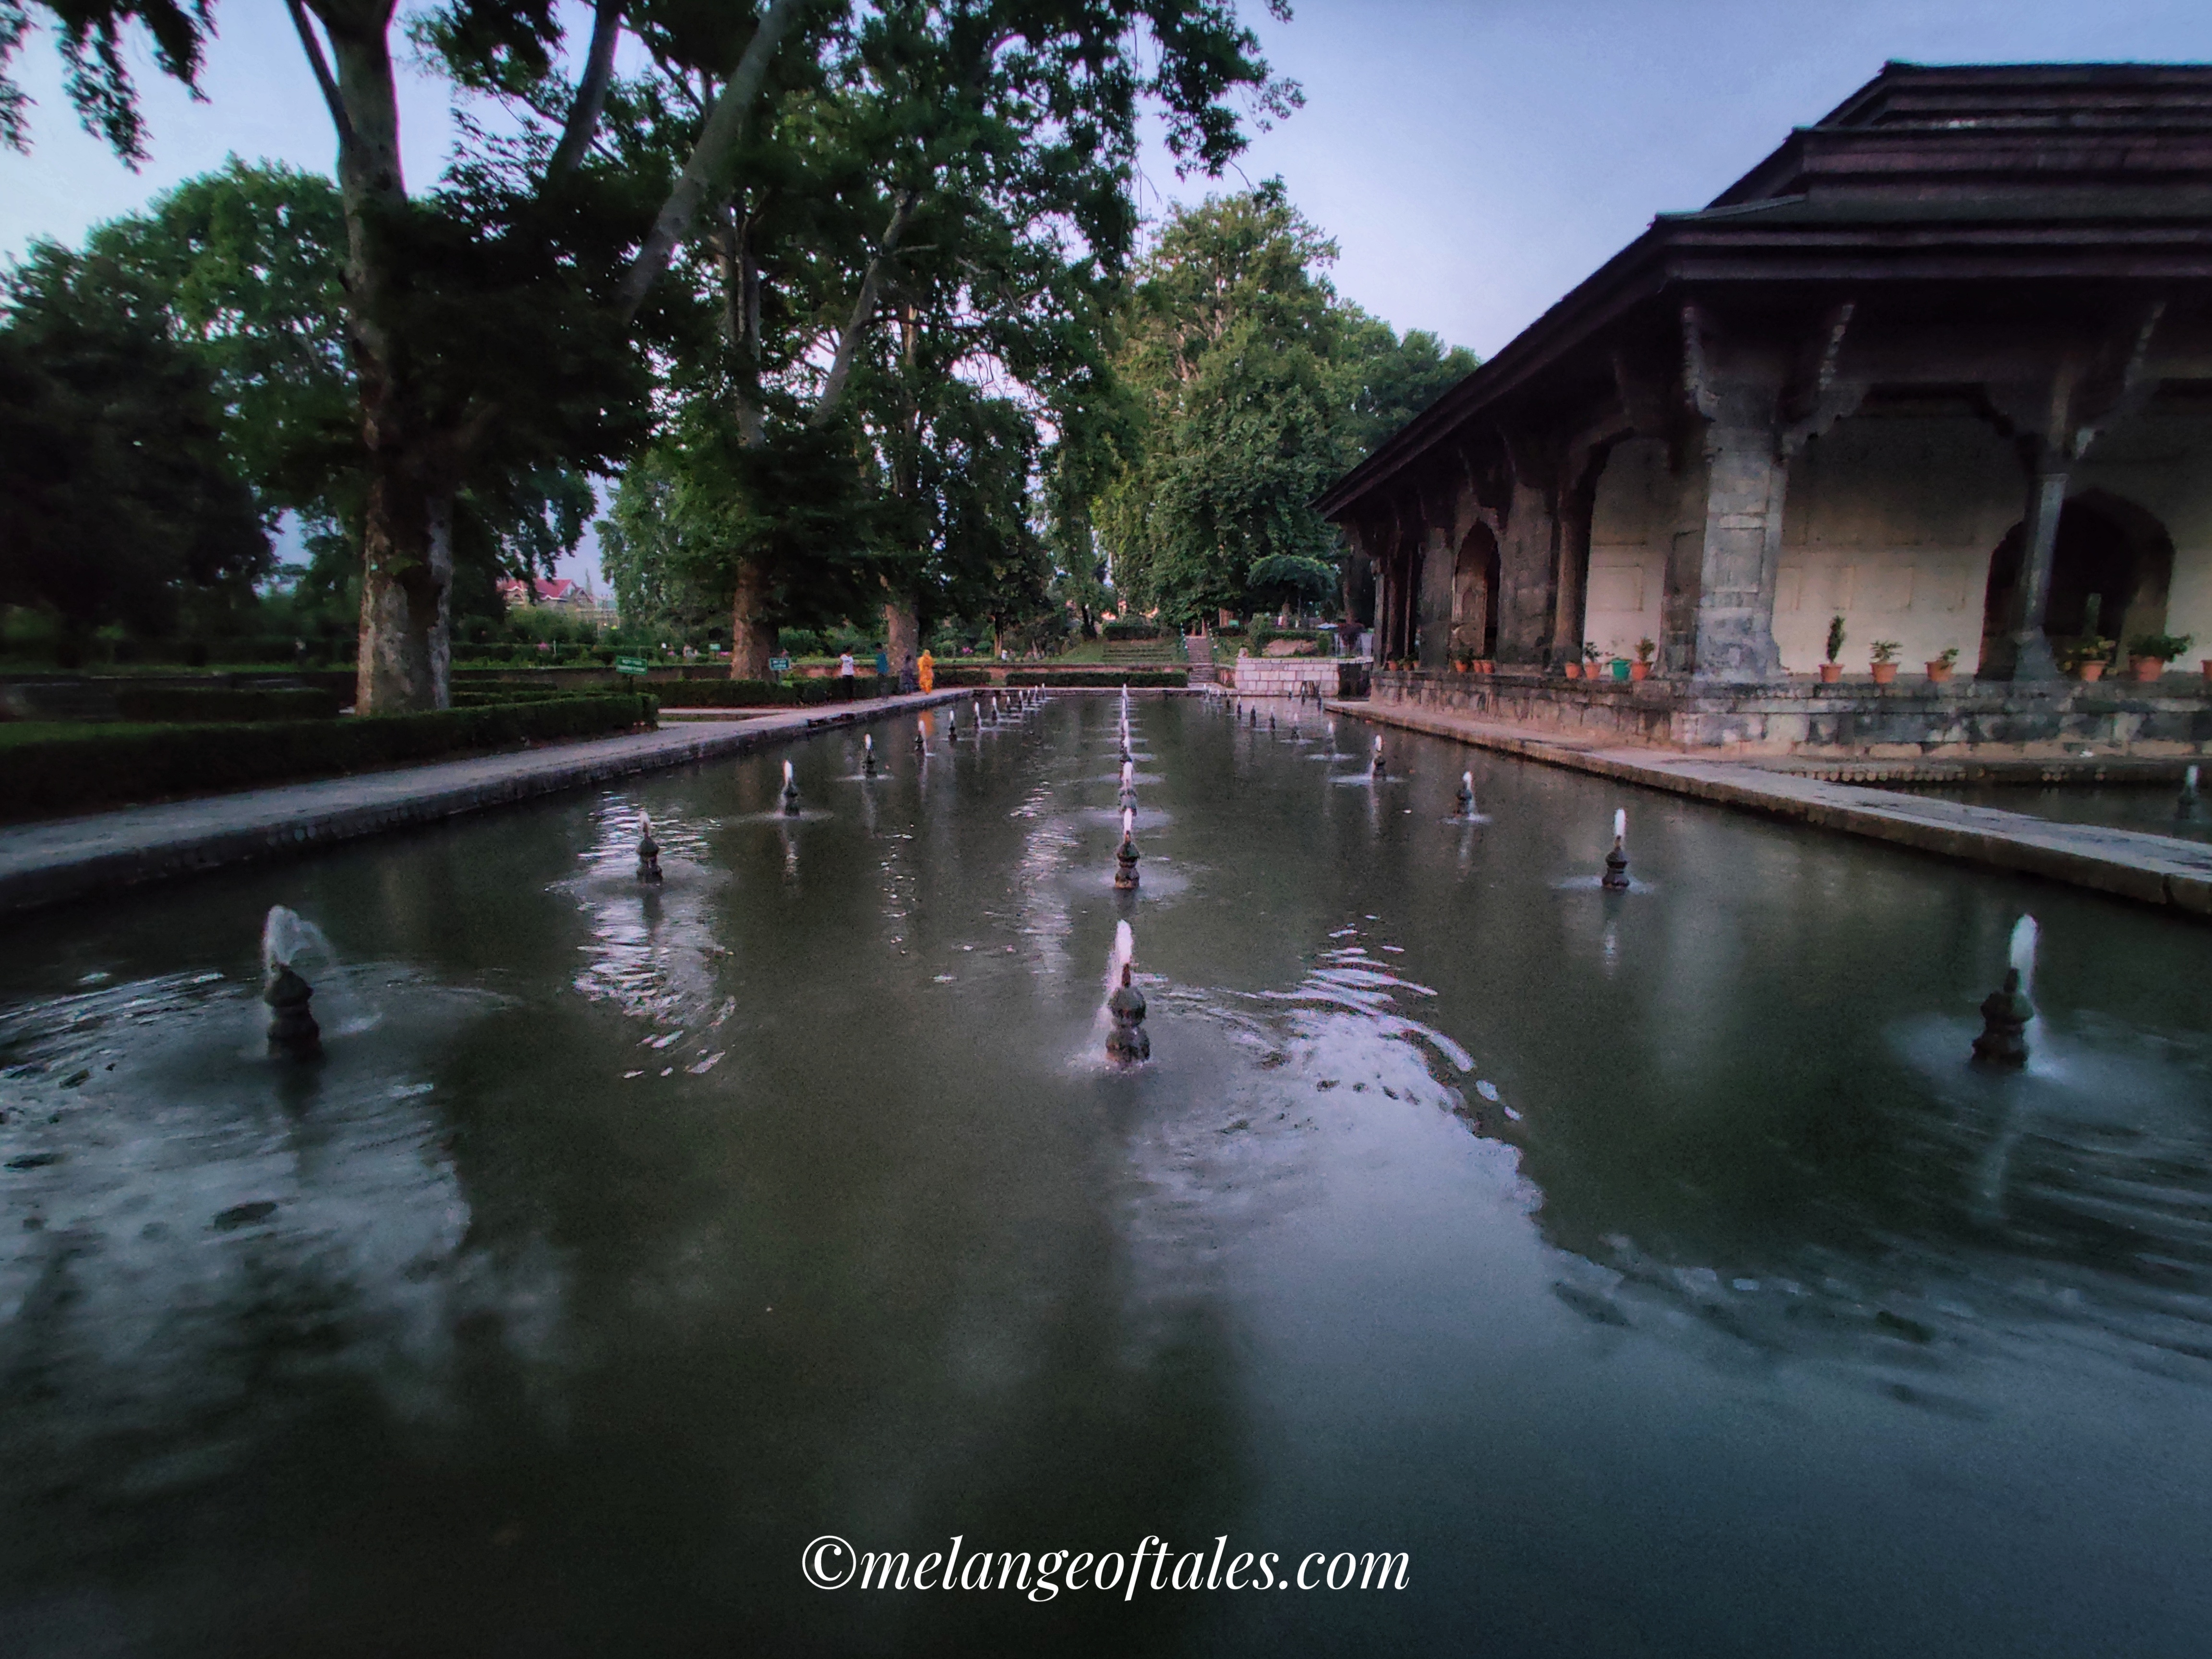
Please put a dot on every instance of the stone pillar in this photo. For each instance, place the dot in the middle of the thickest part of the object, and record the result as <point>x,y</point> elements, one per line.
<point>1436,604</point>
<point>1528,568</point>
<point>1571,575</point>
<point>1739,554</point>
<point>2022,651</point>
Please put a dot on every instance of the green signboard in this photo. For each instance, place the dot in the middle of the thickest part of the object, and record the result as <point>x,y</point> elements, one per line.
<point>778,664</point>
<point>629,664</point>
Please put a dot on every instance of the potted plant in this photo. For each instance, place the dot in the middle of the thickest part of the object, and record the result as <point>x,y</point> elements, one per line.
<point>1831,670</point>
<point>1617,666</point>
<point>1884,654</point>
<point>1939,668</point>
<point>2088,657</point>
<point>1641,668</point>
<point>2150,652</point>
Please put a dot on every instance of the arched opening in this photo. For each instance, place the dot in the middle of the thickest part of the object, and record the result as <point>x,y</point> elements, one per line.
<point>1474,595</point>
<point>2110,569</point>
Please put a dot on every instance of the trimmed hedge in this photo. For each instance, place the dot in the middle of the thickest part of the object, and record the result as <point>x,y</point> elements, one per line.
<point>163,705</point>
<point>1130,630</point>
<point>763,694</point>
<point>96,766</point>
<point>1137,679</point>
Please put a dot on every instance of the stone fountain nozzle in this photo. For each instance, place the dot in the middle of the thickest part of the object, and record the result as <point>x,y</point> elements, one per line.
<point>1127,1043</point>
<point>2005,1014</point>
<point>293,1032</point>
<point>1465,796</point>
<point>648,852</point>
<point>868,755</point>
<point>1125,856</point>
<point>790,792</point>
<point>1379,767</point>
<point>1615,878</point>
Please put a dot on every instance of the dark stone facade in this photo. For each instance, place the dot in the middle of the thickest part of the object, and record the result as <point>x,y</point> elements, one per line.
<point>2016,257</point>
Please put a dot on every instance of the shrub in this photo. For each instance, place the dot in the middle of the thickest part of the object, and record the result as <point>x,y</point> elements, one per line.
<point>88,767</point>
<point>749,694</point>
<point>1130,630</point>
<point>2163,646</point>
<point>1145,679</point>
<point>164,705</point>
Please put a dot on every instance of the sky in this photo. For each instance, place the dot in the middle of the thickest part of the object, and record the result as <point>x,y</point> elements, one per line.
<point>1472,159</point>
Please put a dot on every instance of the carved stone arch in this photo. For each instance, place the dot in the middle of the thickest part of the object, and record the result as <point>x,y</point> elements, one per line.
<point>2107,546</point>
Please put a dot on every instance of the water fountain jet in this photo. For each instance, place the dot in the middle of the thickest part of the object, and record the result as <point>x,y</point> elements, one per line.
<point>2186,803</point>
<point>1465,797</point>
<point>293,1033</point>
<point>2007,1011</point>
<point>1127,1043</point>
<point>790,792</point>
<point>1376,767</point>
<point>648,852</point>
<point>1125,856</point>
<point>1615,878</point>
<point>868,755</point>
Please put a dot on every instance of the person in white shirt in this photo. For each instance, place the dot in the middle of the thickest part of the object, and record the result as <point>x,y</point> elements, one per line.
<point>845,673</point>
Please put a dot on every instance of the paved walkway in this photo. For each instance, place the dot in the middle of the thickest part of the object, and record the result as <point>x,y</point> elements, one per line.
<point>2155,869</point>
<point>68,858</point>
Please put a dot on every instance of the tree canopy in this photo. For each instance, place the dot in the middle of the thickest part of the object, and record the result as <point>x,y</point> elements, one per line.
<point>1257,385</point>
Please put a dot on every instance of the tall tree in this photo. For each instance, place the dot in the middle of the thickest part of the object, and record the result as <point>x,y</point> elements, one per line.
<point>930,212</point>
<point>117,497</point>
<point>1254,387</point>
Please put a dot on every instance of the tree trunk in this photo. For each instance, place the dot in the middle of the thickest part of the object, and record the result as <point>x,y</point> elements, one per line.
<point>902,632</point>
<point>407,580</point>
<point>752,627</point>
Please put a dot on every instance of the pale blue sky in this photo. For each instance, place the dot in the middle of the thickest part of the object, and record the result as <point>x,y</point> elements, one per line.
<point>1473,159</point>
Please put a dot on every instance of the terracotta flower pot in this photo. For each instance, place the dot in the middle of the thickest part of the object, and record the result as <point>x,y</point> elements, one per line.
<point>1574,670</point>
<point>2148,668</point>
<point>1831,672</point>
<point>2208,668</point>
<point>1939,672</point>
<point>1639,670</point>
<point>2095,671</point>
<point>1885,674</point>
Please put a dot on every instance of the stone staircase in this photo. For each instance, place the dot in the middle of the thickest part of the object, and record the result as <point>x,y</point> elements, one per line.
<point>1144,653</point>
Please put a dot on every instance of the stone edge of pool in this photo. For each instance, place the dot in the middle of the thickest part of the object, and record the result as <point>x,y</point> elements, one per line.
<point>2124,863</point>
<point>59,860</point>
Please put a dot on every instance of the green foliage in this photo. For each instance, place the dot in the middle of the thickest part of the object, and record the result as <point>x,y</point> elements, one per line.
<point>116,493</point>
<point>167,704</point>
<point>1835,638</point>
<point>91,35</point>
<point>745,694</point>
<point>1257,387</point>
<point>84,768</point>
<point>1885,650</point>
<point>2163,646</point>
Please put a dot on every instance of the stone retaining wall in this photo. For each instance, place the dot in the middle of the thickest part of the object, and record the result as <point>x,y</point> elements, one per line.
<point>1911,719</point>
<point>1297,677</point>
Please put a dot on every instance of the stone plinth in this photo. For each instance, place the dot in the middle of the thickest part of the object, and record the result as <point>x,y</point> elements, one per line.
<point>1300,676</point>
<point>1909,720</point>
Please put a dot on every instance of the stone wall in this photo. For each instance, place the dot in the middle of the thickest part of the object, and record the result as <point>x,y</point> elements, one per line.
<point>1912,719</point>
<point>1300,676</point>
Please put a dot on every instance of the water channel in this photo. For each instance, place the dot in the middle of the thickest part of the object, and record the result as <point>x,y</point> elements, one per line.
<point>1649,1266</point>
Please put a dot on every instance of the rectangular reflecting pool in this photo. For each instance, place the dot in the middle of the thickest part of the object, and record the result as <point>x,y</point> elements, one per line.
<point>1651,1270</point>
